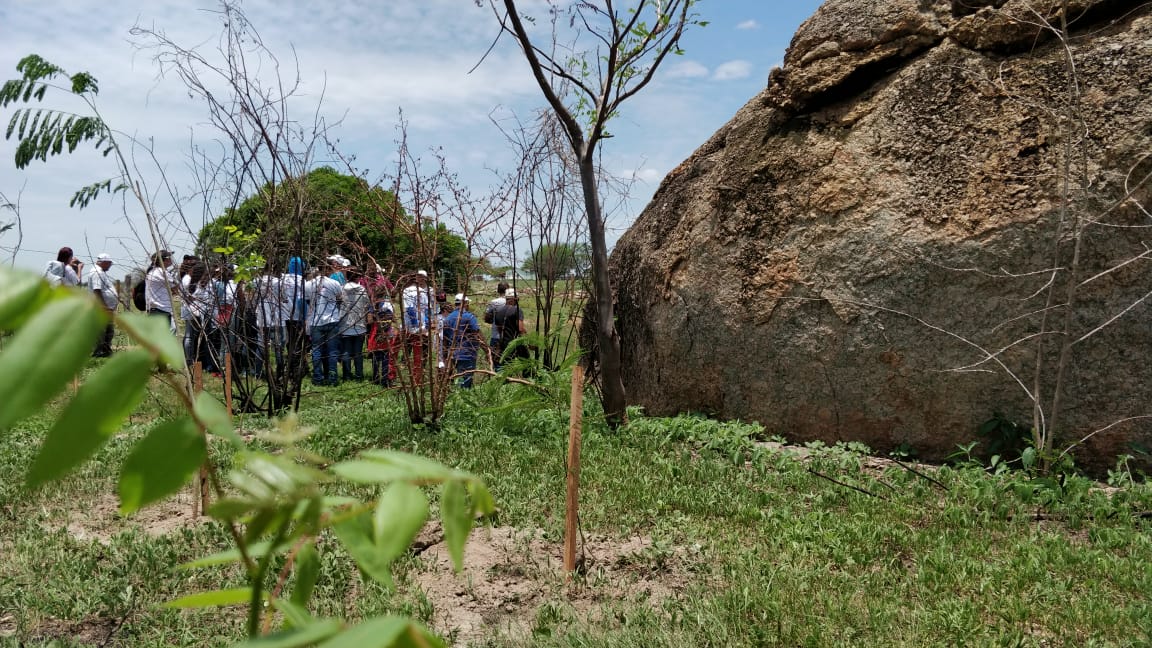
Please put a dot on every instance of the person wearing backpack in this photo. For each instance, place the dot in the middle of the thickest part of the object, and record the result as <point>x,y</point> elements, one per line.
<point>159,284</point>
<point>489,310</point>
<point>65,270</point>
<point>508,320</point>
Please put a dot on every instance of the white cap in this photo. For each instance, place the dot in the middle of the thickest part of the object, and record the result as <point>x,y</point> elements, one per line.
<point>422,273</point>
<point>510,294</point>
<point>104,256</point>
<point>339,260</point>
<point>461,298</point>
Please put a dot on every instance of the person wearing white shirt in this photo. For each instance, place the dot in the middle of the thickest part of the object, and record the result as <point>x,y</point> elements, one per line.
<point>65,270</point>
<point>325,296</point>
<point>197,309</point>
<point>353,326</point>
<point>295,317</point>
<point>104,289</point>
<point>159,283</point>
<point>417,304</point>
<point>270,311</point>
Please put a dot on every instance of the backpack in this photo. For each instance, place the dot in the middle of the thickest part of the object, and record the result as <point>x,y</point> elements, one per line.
<point>138,299</point>
<point>54,273</point>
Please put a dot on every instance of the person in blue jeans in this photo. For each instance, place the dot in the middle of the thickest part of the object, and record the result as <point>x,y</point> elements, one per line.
<point>353,326</point>
<point>462,340</point>
<point>325,296</point>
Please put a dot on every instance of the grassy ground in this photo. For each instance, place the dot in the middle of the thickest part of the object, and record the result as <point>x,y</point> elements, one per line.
<point>766,551</point>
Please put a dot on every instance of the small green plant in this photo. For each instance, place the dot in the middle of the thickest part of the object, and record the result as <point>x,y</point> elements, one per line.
<point>1008,439</point>
<point>275,504</point>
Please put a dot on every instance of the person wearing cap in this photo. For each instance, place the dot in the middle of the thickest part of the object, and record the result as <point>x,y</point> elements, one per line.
<point>508,320</point>
<point>417,304</point>
<point>498,302</point>
<point>102,286</point>
<point>338,264</point>
<point>462,340</point>
<point>383,344</point>
<point>159,283</point>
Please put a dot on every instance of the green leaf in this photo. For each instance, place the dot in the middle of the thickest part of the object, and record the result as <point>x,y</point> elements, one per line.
<point>482,501</point>
<point>456,518</point>
<point>21,294</point>
<point>370,472</point>
<point>43,356</point>
<point>161,463</point>
<point>356,536</point>
<point>241,595</point>
<point>93,416</point>
<point>256,551</point>
<point>153,332</point>
<point>306,635</point>
<point>307,571</point>
<point>1028,457</point>
<point>384,632</point>
<point>214,416</point>
<point>386,466</point>
<point>231,508</point>
<point>400,514</point>
<point>294,615</point>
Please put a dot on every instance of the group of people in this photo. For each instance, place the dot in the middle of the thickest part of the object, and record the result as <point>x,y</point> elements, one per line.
<point>270,323</point>
<point>67,270</point>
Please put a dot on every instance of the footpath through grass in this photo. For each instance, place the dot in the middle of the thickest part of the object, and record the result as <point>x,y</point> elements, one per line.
<point>772,553</point>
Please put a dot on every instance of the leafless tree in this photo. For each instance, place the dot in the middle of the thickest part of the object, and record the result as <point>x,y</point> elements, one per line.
<point>586,88</point>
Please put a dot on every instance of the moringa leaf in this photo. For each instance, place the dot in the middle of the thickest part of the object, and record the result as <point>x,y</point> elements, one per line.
<point>215,597</point>
<point>21,295</point>
<point>297,637</point>
<point>307,572</point>
<point>45,353</point>
<point>93,416</point>
<point>456,518</point>
<point>214,416</point>
<point>161,463</point>
<point>399,516</point>
<point>153,332</point>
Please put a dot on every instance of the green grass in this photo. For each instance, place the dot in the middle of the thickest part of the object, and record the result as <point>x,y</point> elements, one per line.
<point>781,556</point>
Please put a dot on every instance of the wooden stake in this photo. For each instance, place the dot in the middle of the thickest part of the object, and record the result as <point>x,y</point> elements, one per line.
<point>200,485</point>
<point>576,420</point>
<point>228,382</point>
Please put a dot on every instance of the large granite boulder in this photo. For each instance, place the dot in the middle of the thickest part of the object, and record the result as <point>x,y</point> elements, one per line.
<point>840,259</point>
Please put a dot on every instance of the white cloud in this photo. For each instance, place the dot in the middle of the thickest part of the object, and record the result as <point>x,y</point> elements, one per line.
<point>748,24</point>
<point>647,175</point>
<point>732,70</point>
<point>687,70</point>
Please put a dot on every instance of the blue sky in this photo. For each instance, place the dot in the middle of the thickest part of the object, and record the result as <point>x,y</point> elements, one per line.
<point>413,55</point>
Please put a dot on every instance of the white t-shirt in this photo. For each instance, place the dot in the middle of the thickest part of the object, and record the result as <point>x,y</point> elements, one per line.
<point>324,294</point>
<point>61,274</point>
<point>199,304</point>
<point>417,307</point>
<point>156,285</point>
<point>98,279</point>
<point>270,304</point>
<point>354,312</point>
<point>293,297</point>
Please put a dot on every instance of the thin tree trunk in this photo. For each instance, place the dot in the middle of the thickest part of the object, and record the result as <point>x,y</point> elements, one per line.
<point>612,382</point>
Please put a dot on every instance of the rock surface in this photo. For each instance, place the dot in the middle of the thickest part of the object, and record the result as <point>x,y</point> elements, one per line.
<point>837,259</point>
